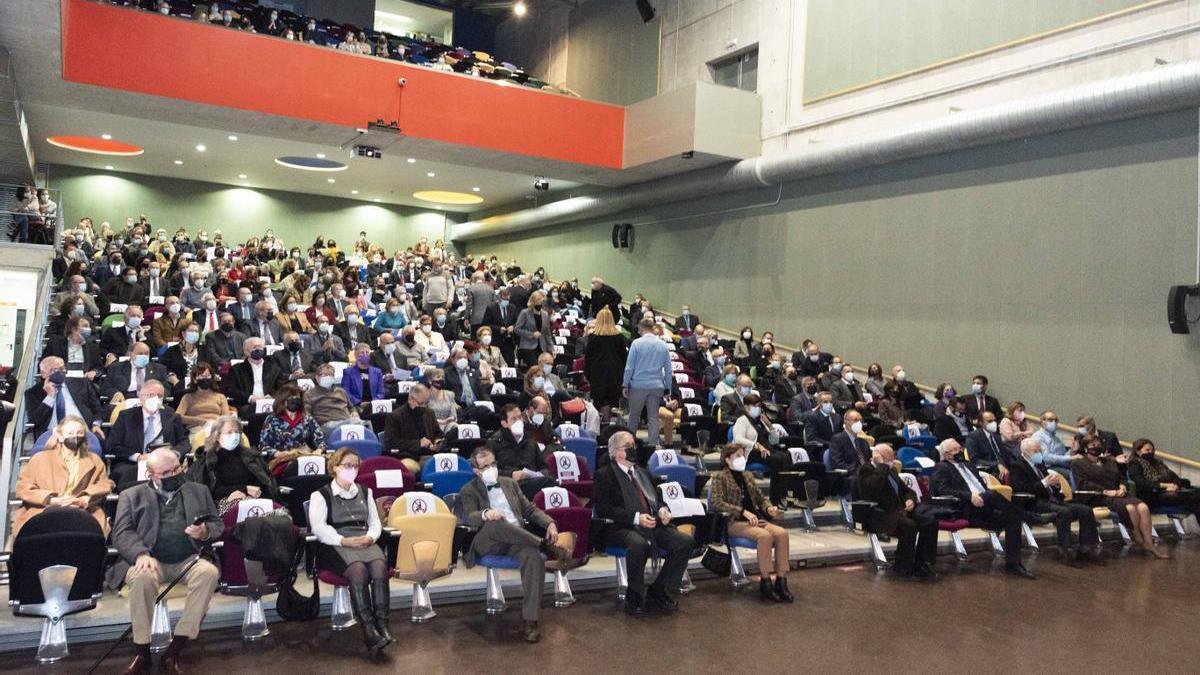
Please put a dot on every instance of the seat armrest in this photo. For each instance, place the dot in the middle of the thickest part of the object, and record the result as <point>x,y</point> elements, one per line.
<point>944,499</point>
<point>840,472</point>
<point>1088,493</point>
<point>285,490</point>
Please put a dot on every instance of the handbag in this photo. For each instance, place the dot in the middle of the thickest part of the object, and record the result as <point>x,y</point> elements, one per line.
<point>290,605</point>
<point>716,561</point>
<point>572,407</point>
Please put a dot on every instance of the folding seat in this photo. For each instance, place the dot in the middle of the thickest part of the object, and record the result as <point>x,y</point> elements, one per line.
<point>572,518</point>
<point>670,466</point>
<point>246,578</point>
<point>298,479</point>
<point>386,477</point>
<point>839,477</point>
<point>446,473</point>
<point>464,438</point>
<point>426,547</point>
<point>584,447</point>
<point>357,436</point>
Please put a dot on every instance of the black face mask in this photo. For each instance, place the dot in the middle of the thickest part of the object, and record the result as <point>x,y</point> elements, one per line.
<point>205,384</point>
<point>1148,455</point>
<point>293,346</point>
<point>257,354</point>
<point>172,483</point>
<point>75,442</point>
<point>226,328</point>
<point>293,404</point>
<point>959,456</point>
<point>811,389</point>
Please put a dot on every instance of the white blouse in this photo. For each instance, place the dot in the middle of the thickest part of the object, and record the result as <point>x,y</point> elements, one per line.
<point>318,515</point>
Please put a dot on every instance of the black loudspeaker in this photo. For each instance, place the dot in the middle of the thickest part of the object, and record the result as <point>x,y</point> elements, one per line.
<point>627,236</point>
<point>646,10</point>
<point>1177,307</point>
<point>616,236</point>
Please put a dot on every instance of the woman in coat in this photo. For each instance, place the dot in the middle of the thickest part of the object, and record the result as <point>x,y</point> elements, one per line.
<point>231,470</point>
<point>66,473</point>
<point>604,362</point>
<point>533,330</point>
<point>735,495</point>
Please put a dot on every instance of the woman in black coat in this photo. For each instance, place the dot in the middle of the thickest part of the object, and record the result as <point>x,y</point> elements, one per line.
<point>604,362</point>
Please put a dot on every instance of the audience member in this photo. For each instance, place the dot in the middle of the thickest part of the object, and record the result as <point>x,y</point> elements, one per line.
<point>735,494</point>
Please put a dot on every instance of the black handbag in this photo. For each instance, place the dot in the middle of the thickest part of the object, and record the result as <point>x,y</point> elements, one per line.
<point>289,604</point>
<point>717,561</point>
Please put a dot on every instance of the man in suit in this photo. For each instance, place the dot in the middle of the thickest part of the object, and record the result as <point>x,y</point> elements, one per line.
<point>846,393</point>
<point>956,477</point>
<point>519,293</point>
<point>803,403</point>
<point>714,369</point>
<point>292,359</point>
<point>165,328</point>
<point>1027,477</point>
<point>75,286</point>
<point>244,311</point>
<point>264,326</point>
<point>979,401</point>
<point>57,396</point>
<point>501,513</point>
<point>811,361</point>
<point>985,449</point>
<point>604,295</point>
<point>159,526</point>
<point>254,378</point>
<point>207,316</point>
<point>117,339</point>
<point>224,345</point>
<point>901,515</point>
<point>518,454</point>
<point>127,377</point>
<point>686,323</point>
<point>325,346</point>
<point>731,403</point>
<point>501,316</point>
<point>480,296</point>
<point>102,274</point>
<point>411,430</point>
<point>848,451</point>
<point>154,285</point>
<point>823,422</point>
<point>124,289</point>
<point>139,429</point>
<point>625,495</point>
<point>907,394</point>
<point>353,331</point>
<point>1086,426</point>
<point>463,380</point>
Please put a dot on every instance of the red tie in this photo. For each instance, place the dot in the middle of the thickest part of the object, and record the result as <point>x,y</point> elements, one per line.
<point>641,495</point>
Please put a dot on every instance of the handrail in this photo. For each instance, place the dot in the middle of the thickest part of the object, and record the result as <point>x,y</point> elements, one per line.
<point>789,350</point>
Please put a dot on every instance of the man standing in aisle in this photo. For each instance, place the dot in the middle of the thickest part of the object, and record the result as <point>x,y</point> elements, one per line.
<point>647,377</point>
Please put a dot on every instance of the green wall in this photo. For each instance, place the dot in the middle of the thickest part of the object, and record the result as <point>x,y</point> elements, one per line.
<point>1042,263</point>
<point>852,42</point>
<point>238,212</point>
<point>612,55</point>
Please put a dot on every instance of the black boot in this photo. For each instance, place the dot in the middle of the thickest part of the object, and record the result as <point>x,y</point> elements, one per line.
<point>766,590</point>
<point>383,605</point>
<point>364,612</point>
<point>781,590</point>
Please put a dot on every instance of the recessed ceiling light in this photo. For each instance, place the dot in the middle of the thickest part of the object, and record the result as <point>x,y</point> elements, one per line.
<point>431,174</point>
<point>354,192</point>
<point>107,137</point>
<point>320,155</point>
<point>95,145</point>
<point>241,175</point>
<point>474,189</point>
<point>200,148</point>
<point>412,160</point>
<point>447,197</point>
<point>108,168</point>
<point>310,163</point>
<point>232,137</point>
<point>178,162</point>
<point>331,180</point>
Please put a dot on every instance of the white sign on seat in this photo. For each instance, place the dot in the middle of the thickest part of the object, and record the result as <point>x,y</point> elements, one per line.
<point>564,332</point>
<point>678,502</point>
<point>405,387</point>
<point>468,431</point>
<point>681,377</point>
<point>694,409</point>
<point>666,457</point>
<point>389,478</point>
<point>556,498</point>
<point>798,455</point>
<point>156,300</point>
<point>445,461</point>
<point>486,404</point>
<point>558,349</point>
<point>560,340</point>
<point>309,465</point>
<point>273,349</point>
<point>338,367</point>
<point>568,466</point>
<point>254,508</point>
<point>677,366</point>
<point>352,432</point>
<point>670,345</point>
<point>420,503</point>
<point>566,431</point>
<point>264,406</point>
<point>499,389</point>
<point>117,308</point>
<point>508,373</point>
<point>383,405</point>
<point>687,392</point>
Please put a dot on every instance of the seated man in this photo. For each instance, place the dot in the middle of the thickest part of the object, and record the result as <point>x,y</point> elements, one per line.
<point>127,377</point>
<point>159,527</point>
<point>846,449</point>
<point>539,424</point>
<point>803,403</point>
<point>408,353</point>
<point>116,341</point>
<point>985,447</point>
<point>731,404</point>
<point>325,346</point>
<point>846,393</point>
<point>463,380</point>
<point>518,454</point>
<point>956,477</point>
<point>1027,477</point>
<point>907,394</point>
<point>903,516</point>
<point>823,422</point>
<point>264,325</point>
<point>625,495</point>
<point>496,506</point>
<point>412,432</point>
<point>328,402</point>
<point>125,289</point>
<point>1054,454</point>
<point>140,428</point>
<point>292,359</point>
<point>166,327</point>
<point>353,331</point>
<point>224,345</point>
<point>387,360</point>
<point>252,379</point>
<point>56,396</point>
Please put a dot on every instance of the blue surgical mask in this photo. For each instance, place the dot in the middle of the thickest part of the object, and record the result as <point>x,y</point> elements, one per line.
<point>141,360</point>
<point>546,368</point>
<point>754,411</point>
<point>730,379</point>
<point>744,391</point>
<point>827,408</point>
<point>1051,427</point>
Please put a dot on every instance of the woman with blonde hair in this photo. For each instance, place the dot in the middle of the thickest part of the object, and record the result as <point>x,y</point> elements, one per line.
<point>66,474</point>
<point>533,330</point>
<point>604,362</point>
<point>489,353</point>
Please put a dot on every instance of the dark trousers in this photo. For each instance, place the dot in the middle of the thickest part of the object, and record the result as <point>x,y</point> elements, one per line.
<point>779,461</point>
<point>998,513</point>
<point>500,537</point>
<point>917,539</point>
<point>637,549</point>
<point>1189,499</point>
<point>1064,515</point>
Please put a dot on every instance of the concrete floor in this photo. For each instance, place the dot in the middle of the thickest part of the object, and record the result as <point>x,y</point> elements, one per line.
<point>1135,615</point>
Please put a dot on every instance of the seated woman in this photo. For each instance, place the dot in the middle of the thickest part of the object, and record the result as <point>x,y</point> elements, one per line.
<point>204,401</point>
<point>890,412</point>
<point>875,383</point>
<point>66,474</point>
<point>535,385</point>
<point>745,349</point>
<point>441,399</point>
<point>1014,428</point>
<point>392,318</point>
<point>289,427</point>
<point>751,432</point>
<point>181,357</point>
<point>291,318</point>
<point>1096,472</point>
<point>488,352</point>
<point>231,470</point>
<point>79,348</point>
<point>737,496</point>
<point>725,385</point>
<point>345,521</point>
<point>1156,483</point>
<point>363,381</point>
<point>319,308</point>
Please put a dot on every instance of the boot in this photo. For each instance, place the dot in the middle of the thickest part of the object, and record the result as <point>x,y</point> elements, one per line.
<point>781,590</point>
<point>364,611</point>
<point>170,659</point>
<point>141,661</point>
<point>383,602</point>
<point>766,590</point>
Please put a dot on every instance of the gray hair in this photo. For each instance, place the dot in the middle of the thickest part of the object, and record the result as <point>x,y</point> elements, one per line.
<point>213,440</point>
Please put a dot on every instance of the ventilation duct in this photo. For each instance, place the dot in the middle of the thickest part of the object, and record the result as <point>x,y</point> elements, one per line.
<point>1162,89</point>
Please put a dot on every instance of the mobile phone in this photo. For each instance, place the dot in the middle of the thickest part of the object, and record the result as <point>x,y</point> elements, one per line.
<point>198,521</point>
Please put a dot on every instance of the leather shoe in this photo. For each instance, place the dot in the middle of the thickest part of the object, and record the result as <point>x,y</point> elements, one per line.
<point>634,605</point>
<point>781,590</point>
<point>141,661</point>
<point>926,573</point>
<point>530,632</point>
<point>661,600</point>
<point>1020,571</point>
<point>170,659</point>
<point>557,553</point>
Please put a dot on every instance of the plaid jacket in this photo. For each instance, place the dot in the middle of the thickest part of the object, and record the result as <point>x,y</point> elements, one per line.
<point>727,495</point>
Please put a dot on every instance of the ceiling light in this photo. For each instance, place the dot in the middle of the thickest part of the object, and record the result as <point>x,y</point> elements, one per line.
<point>95,145</point>
<point>474,189</point>
<point>331,180</point>
<point>107,137</point>
<point>241,175</point>
<point>200,148</point>
<point>178,162</point>
<point>310,163</point>
<point>232,137</point>
<point>447,197</point>
<point>412,160</point>
<point>519,8</point>
<point>108,168</point>
<point>320,155</point>
<point>354,192</point>
<point>431,174</point>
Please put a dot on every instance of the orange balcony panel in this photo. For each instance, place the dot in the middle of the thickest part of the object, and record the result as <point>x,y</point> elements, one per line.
<point>113,47</point>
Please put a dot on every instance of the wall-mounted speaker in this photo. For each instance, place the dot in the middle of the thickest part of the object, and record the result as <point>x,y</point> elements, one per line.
<point>646,10</point>
<point>622,236</point>
<point>1177,301</point>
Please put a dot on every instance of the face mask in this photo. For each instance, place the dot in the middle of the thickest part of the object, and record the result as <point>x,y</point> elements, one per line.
<point>1082,431</point>
<point>738,464</point>
<point>85,333</point>
<point>292,307</point>
<point>837,367</point>
<point>901,376</point>
<point>490,475</point>
<point>827,408</point>
<point>231,440</point>
<point>746,335</point>
<point>293,346</point>
<point>977,389</point>
<point>849,377</point>
<point>153,272</point>
<point>1149,454</point>
<point>204,383</point>
<point>441,321</point>
<point>173,308</point>
<point>949,393</point>
<point>537,419</point>
<point>754,411</point>
<point>814,357</point>
<point>341,295</point>
<point>743,391</point>
<point>517,429</point>
<point>364,359</point>
<point>245,299</point>
<point>326,381</point>
<point>426,328</point>
<point>191,336</point>
<point>347,474</point>
<point>58,377</point>
<point>257,354</point>
<point>486,340</point>
<point>325,328</point>
<point>171,483</point>
<point>546,368</point>
<point>152,404</point>
<point>351,319</point>
<point>134,322</point>
<point>461,364</point>
<point>293,404</point>
<point>141,360</point>
<point>539,382</point>
<point>1051,427</point>
<point>991,427</point>
<point>720,361</point>
<point>226,328</point>
<point>856,427</point>
<point>75,442</point>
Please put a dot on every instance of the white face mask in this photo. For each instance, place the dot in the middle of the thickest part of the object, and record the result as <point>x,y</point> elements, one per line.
<point>518,429</point>
<point>977,388</point>
<point>738,464</point>
<point>490,475</point>
<point>231,440</point>
<point>746,335</point>
<point>326,381</point>
<point>991,427</point>
<point>461,364</point>
<point>152,404</point>
<point>174,308</point>
<point>486,340</point>
<point>347,474</point>
<point>849,377</point>
<point>389,348</point>
<point>901,376</point>
<point>754,411</point>
<point>856,427</point>
<point>537,419</point>
<point>426,328</point>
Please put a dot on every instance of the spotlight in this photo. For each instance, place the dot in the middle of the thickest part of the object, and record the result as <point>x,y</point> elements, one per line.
<point>541,184</point>
<point>519,8</point>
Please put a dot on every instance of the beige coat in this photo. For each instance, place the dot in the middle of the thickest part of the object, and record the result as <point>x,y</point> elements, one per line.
<point>45,475</point>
